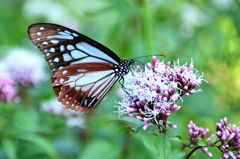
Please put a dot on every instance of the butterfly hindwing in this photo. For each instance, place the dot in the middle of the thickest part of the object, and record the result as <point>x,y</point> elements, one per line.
<point>83,69</point>
<point>82,87</point>
<point>63,46</point>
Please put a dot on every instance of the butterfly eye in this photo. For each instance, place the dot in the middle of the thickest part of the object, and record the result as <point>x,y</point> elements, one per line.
<point>83,69</point>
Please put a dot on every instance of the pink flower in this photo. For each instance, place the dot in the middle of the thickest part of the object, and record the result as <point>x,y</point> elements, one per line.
<point>7,87</point>
<point>153,94</point>
<point>26,66</point>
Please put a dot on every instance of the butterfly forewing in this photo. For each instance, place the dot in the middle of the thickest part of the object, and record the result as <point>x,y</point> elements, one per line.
<point>63,46</point>
<point>83,69</point>
<point>82,87</point>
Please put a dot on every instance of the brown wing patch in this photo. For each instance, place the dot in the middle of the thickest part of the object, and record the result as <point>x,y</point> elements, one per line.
<point>81,87</point>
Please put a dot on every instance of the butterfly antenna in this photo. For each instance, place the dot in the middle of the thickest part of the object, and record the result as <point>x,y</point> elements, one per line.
<point>140,62</point>
<point>147,56</point>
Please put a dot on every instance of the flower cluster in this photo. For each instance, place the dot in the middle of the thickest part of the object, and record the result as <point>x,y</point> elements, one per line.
<point>152,94</point>
<point>73,119</point>
<point>7,89</point>
<point>196,134</point>
<point>229,136</point>
<point>20,66</point>
<point>27,67</point>
<point>226,139</point>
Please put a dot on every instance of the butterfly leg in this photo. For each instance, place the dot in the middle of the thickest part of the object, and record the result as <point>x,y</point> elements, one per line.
<point>121,81</point>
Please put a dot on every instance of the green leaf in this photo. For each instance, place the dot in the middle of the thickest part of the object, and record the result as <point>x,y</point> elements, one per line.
<point>213,139</point>
<point>124,128</point>
<point>9,148</point>
<point>162,145</point>
<point>133,120</point>
<point>203,143</point>
<point>100,149</point>
<point>177,154</point>
<point>41,142</point>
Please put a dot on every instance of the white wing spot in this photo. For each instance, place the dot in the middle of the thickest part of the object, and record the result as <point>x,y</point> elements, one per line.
<point>47,54</point>
<point>66,57</point>
<point>64,72</point>
<point>45,50</point>
<point>70,47</point>
<point>72,105</point>
<point>67,102</point>
<point>76,106</point>
<point>56,59</point>
<point>60,67</point>
<point>66,31</point>
<point>58,29</point>
<point>77,88</point>
<point>54,41</point>
<point>77,54</point>
<point>52,50</point>
<point>50,61</point>
<point>45,43</point>
<point>41,28</point>
<point>60,37</point>
<point>66,95</point>
<point>51,64</point>
<point>39,33</point>
<point>81,70</point>
<point>62,48</point>
<point>74,34</point>
<point>61,80</point>
<point>38,38</point>
<point>75,101</point>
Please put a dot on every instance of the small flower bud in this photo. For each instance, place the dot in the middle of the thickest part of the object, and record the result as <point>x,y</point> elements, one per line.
<point>139,68</point>
<point>154,59</point>
<point>149,65</point>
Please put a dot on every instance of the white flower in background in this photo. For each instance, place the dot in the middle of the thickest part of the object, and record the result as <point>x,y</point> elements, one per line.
<point>52,106</point>
<point>52,10</point>
<point>224,4</point>
<point>73,119</point>
<point>191,18</point>
<point>26,66</point>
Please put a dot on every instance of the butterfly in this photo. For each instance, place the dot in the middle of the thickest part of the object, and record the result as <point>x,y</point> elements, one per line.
<point>83,70</point>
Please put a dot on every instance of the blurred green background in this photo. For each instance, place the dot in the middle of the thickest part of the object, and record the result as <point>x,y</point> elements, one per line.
<point>206,31</point>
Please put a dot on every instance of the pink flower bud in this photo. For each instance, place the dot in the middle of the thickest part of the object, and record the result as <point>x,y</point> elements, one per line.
<point>154,59</point>
<point>225,120</point>
<point>182,69</point>
<point>139,68</point>
<point>139,117</point>
<point>168,63</point>
<point>146,126</point>
<point>149,65</point>
<point>174,126</point>
<point>209,154</point>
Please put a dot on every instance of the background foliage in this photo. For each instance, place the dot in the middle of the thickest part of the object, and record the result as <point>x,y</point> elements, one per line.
<point>207,31</point>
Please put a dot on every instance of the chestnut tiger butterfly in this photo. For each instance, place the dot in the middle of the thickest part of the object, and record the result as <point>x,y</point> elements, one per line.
<point>83,69</point>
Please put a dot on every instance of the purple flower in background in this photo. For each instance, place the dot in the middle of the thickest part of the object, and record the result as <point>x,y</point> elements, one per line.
<point>26,66</point>
<point>153,93</point>
<point>196,135</point>
<point>7,87</point>
<point>229,136</point>
<point>73,119</point>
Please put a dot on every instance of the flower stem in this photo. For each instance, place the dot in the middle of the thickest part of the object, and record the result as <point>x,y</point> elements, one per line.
<point>193,151</point>
<point>147,26</point>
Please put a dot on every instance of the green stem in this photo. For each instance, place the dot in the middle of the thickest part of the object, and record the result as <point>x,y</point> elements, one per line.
<point>147,26</point>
